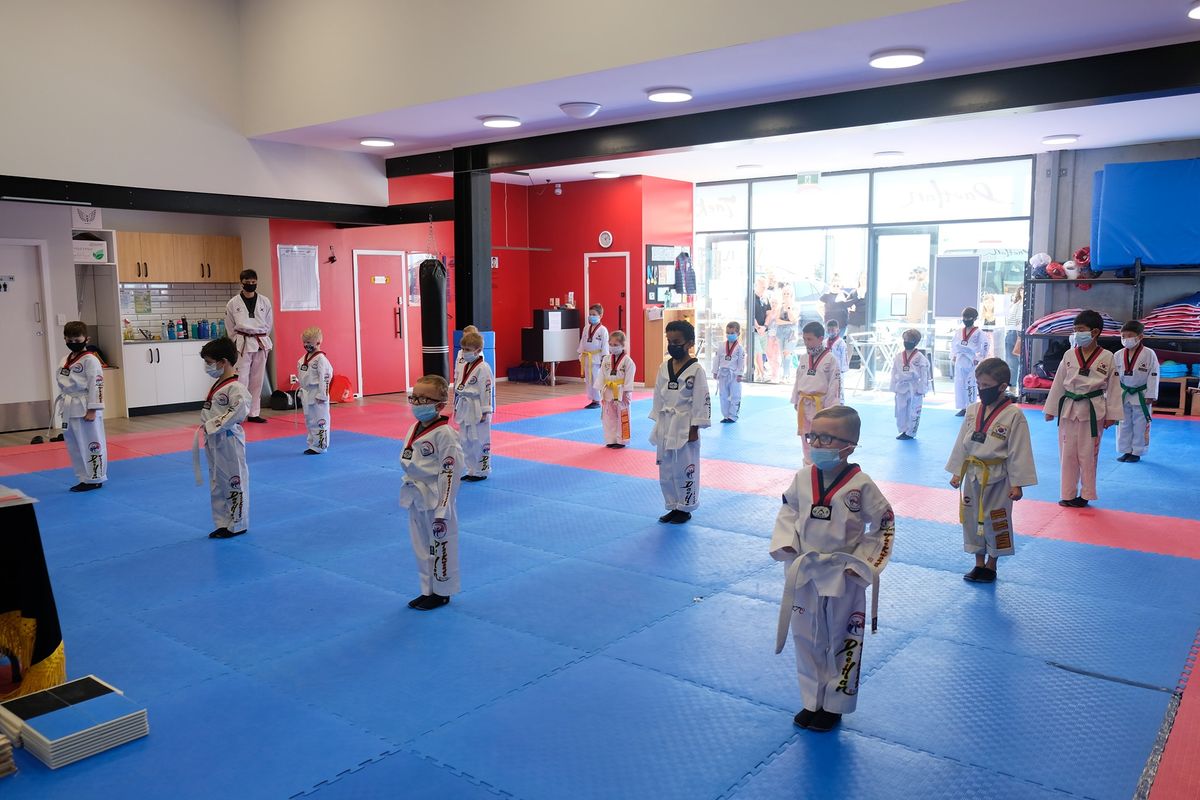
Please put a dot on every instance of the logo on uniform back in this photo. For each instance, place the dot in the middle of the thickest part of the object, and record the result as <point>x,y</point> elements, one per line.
<point>439,529</point>
<point>857,624</point>
<point>427,449</point>
<point>94,448</point>
<point>690,472</point>
<point>320,423</point>
<point>235,482</point>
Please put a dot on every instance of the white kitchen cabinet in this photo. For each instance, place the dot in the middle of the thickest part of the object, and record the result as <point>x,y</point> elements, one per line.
<point>165,374</point>
<point>141,374</point>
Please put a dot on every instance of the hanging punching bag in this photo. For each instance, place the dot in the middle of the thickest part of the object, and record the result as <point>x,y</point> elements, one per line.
<point>435,348</point>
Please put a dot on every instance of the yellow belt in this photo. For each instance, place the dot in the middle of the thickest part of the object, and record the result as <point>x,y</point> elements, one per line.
<point>986,464</point>
<point>585,362</point>
<point>818,401</point>
<point>616,387</point>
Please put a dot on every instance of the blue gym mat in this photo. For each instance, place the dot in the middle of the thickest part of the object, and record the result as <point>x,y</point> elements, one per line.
<point>593,652</point>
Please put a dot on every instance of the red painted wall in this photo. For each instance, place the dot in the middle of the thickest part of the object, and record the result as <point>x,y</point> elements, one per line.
<point>336,317</point>
<point>511,309</point>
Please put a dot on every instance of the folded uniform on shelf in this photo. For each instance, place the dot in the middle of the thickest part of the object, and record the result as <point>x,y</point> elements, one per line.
<point>1063,323</point>
<point>1177,318</point>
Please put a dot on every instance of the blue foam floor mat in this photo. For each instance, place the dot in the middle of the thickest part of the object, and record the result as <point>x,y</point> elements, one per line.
<point>592,652</point>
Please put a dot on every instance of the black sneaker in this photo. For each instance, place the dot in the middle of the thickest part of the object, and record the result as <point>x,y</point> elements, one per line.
<point>1133,459</point>
<point>86,487</point>
<point>1078,502</point>
<point>311,452</point>
<point>255,419</point>
<point>474,478</point>
<point>225,533</point>
<point>981,575</point>
<point>727,420</point>
<point>413,603</point>
<point>679,517</point>
<point>592,405</point>
<point>962,413</point>
<point>429,602</point>
<point>1125,457</point>
<point>667,517</point>
<point>824,721</point>
<point>617,446</point>
<point>904,437</point>
<point>803,719</point>
<point>611,445</point>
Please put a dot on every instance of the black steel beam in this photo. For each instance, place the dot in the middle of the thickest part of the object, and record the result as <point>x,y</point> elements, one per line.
<point>1096,80</point>
<point>421,164</point>
<point>106,196</point>
<point>473,250</point>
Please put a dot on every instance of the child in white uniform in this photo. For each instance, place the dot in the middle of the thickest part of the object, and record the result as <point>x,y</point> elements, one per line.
<point>225,408</point>
<point>729,368</point>
<point>431,461</point>
<point>910,381</point>
<point>593,347</point>
<point>1139,389</point>
<point>834,533</point>
<point>474,404</point>
<point>81,394</point>
<point>1085,396</point>
<point>682,406</point>
<point>458,359</point>
<point>991,461</point>
<point>818,382</point>
<point>969,346</point>
<point>314,374</point>
<point>616,391</point>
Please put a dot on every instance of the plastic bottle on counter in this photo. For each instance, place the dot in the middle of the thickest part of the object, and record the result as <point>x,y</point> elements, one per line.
<point>203,329</point>
<point>183,328</point>
<point>221,333</point>
<point>170,330</point>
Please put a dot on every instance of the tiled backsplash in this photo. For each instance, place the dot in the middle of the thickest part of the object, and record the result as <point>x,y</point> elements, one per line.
<point>196,301</point>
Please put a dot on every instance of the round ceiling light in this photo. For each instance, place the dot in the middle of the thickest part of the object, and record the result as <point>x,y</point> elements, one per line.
<point>606,174</point>
<point>1061,138</point>
<point>375,141</point>
<point>1194,11</point>
<point>579,110</point>
<point>749,167</point>
<point>669,94</point>
<point>500,122</point>
<point>897,58</point>
<point>890,155</point>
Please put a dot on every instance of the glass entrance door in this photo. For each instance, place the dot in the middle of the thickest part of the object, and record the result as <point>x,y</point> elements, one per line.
<point>722,264</point>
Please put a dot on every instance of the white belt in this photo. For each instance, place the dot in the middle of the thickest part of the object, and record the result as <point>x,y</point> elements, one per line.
<point>666,424</point>
<point>792,581</point>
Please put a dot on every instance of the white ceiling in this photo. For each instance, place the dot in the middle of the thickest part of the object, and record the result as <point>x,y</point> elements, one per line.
<point>923,142</point>
<point>963,37</point>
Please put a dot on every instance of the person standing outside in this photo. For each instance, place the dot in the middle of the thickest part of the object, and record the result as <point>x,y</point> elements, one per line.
<point>1012,333</point>
<point>249,319</point>
<point>762,309</point>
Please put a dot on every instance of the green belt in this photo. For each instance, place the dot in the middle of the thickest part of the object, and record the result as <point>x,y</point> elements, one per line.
<point>1140,391</point>
<point>1091,406</point>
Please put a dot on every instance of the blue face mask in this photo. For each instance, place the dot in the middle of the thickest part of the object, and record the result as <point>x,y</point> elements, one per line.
<point>824,458</point>
<point>594,319</point>
<point>733,337</point>
<point>427,413</point>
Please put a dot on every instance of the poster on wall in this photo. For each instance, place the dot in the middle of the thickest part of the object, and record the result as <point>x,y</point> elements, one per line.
<point>660,270</point>
<point>299,278</point>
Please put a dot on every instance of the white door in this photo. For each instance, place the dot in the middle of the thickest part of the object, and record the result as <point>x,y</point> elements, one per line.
<point>168,374</point>
<point>196,382</point>
<point>141,388</point>
<point>24,403</point>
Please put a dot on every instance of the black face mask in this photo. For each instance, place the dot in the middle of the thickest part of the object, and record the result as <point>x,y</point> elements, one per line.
<point>249,288</point>
<point>989,395</point>
<point>909,344</point>
<point>76,347</point>
<point>677,351</point>
<point>968,321</point>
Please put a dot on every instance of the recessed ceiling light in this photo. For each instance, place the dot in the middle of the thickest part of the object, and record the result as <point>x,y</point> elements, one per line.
<point>500,122</point>
<point>579,110</point>
<point>1061,138</point>
<point>669,94</point>
<point>1194,11</point>
<point>897,58</point>
<point>606,174</point>
<point>373,141</point>
<point>749,167</point>
<point>890,155</point>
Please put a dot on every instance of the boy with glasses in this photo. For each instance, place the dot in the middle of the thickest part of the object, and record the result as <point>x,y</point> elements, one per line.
<point>834,534</point>
<point>431,461</point>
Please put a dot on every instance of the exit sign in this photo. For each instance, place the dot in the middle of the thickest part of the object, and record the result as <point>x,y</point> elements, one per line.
<point>808,178</point>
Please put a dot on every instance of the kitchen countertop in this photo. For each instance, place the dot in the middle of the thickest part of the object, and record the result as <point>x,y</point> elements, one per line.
<point>129,342</point>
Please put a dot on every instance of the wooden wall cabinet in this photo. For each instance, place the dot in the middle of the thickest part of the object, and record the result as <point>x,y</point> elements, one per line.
<point>178,258</point>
